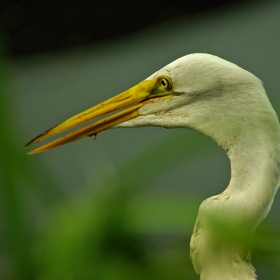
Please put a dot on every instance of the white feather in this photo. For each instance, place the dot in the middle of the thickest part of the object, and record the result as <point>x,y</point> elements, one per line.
<point>228,104</point>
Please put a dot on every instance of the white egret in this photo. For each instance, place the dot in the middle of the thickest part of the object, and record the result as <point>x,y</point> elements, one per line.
<point>228,104</point>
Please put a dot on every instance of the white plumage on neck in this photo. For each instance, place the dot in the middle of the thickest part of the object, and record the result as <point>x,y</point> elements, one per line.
<point>229,105</point>
<point>220,245</point>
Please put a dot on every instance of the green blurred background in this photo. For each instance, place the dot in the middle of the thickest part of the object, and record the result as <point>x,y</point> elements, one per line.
<point>123,206</point>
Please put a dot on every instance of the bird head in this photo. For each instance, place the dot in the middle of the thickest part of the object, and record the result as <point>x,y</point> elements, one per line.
<point>197,91</point>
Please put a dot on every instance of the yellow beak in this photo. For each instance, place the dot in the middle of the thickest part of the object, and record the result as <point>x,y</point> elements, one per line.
<point>139,95</point>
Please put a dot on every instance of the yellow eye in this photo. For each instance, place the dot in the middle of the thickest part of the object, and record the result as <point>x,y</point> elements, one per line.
<point>164,82</point>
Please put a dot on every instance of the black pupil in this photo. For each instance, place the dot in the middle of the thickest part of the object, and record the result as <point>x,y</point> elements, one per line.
<point>163,83</point>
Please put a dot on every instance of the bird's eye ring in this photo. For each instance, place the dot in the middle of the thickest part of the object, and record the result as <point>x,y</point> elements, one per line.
<point>164,82</point>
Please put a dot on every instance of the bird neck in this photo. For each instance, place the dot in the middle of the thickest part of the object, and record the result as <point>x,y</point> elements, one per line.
<point>255,171</point>
<point>221,241</point>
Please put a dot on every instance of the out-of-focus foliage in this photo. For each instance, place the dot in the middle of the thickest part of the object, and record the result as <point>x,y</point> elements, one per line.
<point>108,232</point>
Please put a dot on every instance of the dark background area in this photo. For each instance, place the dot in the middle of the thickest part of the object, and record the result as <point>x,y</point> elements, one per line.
<point>36,26</point>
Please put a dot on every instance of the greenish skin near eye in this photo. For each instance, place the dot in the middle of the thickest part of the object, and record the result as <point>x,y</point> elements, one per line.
<point>162,86</point>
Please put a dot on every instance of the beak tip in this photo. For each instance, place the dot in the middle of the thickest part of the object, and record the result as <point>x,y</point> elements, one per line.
<point>33,141</point>
<point>26,145</point>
